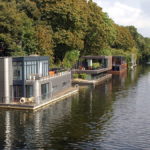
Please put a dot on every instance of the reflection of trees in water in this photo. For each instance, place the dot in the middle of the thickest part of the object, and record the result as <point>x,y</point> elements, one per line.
<point>129,78</point>
<point>2,130</point>
<point>118,80</point>
<point>25,129</point>
<point>133,76</point>
<point>67,123</point>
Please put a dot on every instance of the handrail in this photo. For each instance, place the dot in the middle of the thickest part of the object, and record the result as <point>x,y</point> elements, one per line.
<point>50,77</point>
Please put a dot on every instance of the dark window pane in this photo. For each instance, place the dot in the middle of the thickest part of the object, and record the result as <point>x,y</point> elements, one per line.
<point>17,70</point>
<point>29,91</point>
<point>18,91</point>
<point>45,90</point>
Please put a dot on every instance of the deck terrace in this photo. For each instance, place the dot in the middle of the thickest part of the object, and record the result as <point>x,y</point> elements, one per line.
<point>96,71</point>
<point>33,106</point>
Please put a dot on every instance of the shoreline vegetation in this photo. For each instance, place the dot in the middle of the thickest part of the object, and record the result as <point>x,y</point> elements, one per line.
<point>66,30</point>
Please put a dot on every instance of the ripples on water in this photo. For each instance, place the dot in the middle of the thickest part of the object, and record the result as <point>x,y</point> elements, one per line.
<point>111,116</point>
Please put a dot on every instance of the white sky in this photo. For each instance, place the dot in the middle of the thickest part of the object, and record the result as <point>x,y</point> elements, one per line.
<point>129,12</point>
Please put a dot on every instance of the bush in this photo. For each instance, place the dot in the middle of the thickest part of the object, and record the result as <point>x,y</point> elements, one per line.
<point>71,58</point>
<point>96,65</point>
<point>75,75</point>
<point>83,76</point>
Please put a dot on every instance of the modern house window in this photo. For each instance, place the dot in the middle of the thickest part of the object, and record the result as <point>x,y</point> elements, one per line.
<point>44,68</point>
<point>34,68</point>
<point>105,63</point>
<point>18,91</point>
<point>64,84</point>
<point>29,69</point>
<point>29,91</point>
<point>17,70</point>
<point>45,90</point>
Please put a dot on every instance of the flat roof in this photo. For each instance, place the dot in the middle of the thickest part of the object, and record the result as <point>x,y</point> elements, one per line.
<point>30,58</point>
<point>95,57</point>
<point>119,56</point>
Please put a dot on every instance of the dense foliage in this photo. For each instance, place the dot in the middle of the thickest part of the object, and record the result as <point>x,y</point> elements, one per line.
<point>64,28</point>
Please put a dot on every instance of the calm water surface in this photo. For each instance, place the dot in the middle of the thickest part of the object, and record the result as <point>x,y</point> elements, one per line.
<point>112,116</point>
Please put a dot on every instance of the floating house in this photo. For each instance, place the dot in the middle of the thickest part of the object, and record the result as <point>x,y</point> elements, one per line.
<point>95,67</point>
<point>119,64</point>
<point>94,64</point>
<point>26,83</point>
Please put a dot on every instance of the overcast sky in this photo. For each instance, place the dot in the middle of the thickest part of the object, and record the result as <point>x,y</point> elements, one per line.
<point>129,12</point>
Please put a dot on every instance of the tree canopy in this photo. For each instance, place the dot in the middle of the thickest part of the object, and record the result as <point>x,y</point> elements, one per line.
<point>63,28</point>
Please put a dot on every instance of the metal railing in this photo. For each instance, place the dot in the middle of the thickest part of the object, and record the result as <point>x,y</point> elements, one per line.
<point>36,77</point>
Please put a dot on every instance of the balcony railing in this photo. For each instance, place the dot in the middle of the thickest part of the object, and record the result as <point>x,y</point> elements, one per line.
<point>37,77</point>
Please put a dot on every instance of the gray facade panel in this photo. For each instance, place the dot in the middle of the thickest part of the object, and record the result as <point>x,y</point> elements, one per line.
<point>2,79</point>
<point>61,83</point>
<point>5,79</point>
<point>56,85</point>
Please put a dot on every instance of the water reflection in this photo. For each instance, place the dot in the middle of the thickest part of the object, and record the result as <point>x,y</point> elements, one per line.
<point>8,132</point>
<point>27,130</point>
<point>101,117</point>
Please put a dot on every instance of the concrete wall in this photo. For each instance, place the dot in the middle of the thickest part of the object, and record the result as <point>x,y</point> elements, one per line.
<point>1,79</point>
<point>6,80</point>
<point>109,62</point>
<point>56,85</point>
<point>60,83</point>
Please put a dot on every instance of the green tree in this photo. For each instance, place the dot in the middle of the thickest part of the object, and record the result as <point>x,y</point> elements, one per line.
<point>68,21</point>
<point>70,59</point>
<point>17,33</point>
<point>146,52</point>
<point>57,28</point>
<point>142,44</point>
<point>29,7</point>
<point>100,31</point>
<point>44,40</point>
<point>124,39</point>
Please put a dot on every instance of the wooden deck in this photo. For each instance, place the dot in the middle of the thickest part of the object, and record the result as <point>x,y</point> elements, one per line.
<point>91,71</point>
<point>92,82</point>
<point>118,72</point>
<point>56,98</point>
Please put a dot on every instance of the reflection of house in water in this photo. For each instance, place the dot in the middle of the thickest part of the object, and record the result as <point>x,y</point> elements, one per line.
<point>8,131</point>
<point>28,130</point>
<point>59,125</point>
<point>119,79</point>
<point>25,82</point>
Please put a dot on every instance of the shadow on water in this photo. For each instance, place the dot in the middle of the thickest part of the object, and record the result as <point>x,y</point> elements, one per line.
<point>79,122</point>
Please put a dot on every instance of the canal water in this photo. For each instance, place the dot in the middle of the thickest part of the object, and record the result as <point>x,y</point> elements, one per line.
<point>111,116</point>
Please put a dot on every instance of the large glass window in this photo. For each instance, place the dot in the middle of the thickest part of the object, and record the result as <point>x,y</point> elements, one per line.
<point>18,91</point>
<point>45,90</point>
<point>17,70</point>
<point>39,68</point>
<point>36,67</point>
<point>105,63</point>
<point>44,68</point>
<point>29,69</point>
<point>29,91</point>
